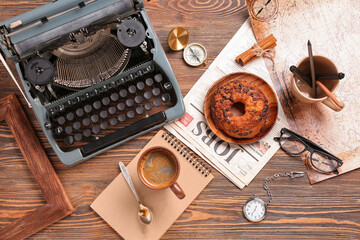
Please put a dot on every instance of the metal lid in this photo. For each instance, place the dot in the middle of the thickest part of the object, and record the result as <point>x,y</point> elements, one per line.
<point>178,38</point>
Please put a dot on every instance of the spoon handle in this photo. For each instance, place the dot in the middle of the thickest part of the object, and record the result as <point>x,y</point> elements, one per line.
<point>128,180</point>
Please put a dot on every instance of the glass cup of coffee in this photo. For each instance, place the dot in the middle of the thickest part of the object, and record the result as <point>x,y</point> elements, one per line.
<point>158,168</point>
<point>303,92</point>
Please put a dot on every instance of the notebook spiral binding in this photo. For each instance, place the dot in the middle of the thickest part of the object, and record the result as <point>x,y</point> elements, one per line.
<point>187,153</point>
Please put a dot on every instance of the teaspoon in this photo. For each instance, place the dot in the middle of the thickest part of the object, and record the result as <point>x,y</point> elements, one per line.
<point>144,213</point>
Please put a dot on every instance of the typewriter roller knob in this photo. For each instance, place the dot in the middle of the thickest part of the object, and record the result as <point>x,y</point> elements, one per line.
<point>39,71</point>
<point>131,33</point>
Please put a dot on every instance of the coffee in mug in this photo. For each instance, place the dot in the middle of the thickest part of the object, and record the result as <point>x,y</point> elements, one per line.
<point>158,168</point>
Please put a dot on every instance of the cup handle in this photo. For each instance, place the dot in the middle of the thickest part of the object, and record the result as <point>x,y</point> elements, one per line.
<point>331,104</point>
<point>178,190</point>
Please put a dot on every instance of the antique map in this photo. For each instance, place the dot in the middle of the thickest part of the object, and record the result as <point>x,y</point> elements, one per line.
<point>333,27</point>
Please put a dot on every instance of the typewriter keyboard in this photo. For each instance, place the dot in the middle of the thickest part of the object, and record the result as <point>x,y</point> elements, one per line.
<point>136,100</point>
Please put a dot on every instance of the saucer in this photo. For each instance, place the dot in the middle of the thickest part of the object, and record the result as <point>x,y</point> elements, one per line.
<point>269,94</point>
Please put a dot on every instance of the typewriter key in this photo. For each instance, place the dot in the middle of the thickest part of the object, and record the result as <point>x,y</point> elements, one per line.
<point>168,86</point>
<point>61,107</point>
<point>114,97</point>
<point>139,110</point>
<point>121,118</point>
<point>103,114</point>
<point>96,129</point>
<point>157,102</point>
<point>39,71</point>
<point>86,122</point>
<point>87,108</point>
<point>158,77</point>
<point>59,130</point>
<point>105,101</point>
<point>52,112</point>
<point>156,91</point>
<point>131,33</point>
<point>69,140</point>
<point>123,93</point>
<point>147,95</point>
<point>129,102</point>
<point>148,106</point>
<point>121,106</point>
<point>166,98</point>
<point>140,86</point>
<point>113,121</point>
<point>138,99</point>
<point>94,118</point>
<point>132,89</point>
<point>149,82</point>
<point>112,110</point>
<point>68,129</point>
<point>80,112</point>
<point>95,92</point>
<point>104,125</point>
<point>78,137</point>
<point>70,116</point>
<point>48,125</point>
<point>77,125</point>
<point>97,105</point>
<point>61,120</point>
<point>87,133</point>
<point>130,114</point>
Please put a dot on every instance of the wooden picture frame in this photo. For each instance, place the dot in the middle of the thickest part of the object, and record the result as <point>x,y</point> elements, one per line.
<point>57,204</point>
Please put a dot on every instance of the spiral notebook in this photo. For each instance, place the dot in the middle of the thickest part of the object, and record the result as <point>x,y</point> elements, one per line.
<point>118,207</point>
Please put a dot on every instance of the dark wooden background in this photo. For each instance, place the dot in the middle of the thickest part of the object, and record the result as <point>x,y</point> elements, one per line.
<point>327,210</point>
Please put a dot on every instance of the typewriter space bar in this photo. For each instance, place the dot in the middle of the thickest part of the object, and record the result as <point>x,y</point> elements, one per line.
<point>124,133</point>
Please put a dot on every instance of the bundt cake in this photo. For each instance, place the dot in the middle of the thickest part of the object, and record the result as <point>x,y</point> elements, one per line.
<point>256,108</point>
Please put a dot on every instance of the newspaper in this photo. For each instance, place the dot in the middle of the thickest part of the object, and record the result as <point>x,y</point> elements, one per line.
<point>239,163</point>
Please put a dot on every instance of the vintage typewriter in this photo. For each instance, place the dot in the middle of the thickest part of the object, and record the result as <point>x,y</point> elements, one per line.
<point>94,73</point>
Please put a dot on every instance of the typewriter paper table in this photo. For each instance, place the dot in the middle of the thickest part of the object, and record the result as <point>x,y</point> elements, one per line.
<point>326,210</point>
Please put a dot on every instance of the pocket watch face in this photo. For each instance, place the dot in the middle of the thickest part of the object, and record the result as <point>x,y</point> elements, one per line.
<point>255,210</point>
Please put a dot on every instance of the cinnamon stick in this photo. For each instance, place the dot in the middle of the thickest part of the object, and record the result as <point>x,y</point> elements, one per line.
<point>265,44</point>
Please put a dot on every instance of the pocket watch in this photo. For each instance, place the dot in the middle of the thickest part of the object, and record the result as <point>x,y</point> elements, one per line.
<point>255,208</point>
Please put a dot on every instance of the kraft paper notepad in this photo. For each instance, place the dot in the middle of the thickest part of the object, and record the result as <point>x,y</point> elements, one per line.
<point>118,207</point>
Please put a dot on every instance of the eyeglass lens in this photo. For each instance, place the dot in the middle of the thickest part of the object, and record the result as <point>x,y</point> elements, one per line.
<point>291,144</point>
<point>323,162</point>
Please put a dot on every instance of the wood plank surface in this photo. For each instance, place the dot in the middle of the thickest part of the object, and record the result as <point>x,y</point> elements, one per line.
<point>328,210</point>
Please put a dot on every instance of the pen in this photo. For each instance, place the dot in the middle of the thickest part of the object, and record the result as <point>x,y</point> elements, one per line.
<point>312,68</point>
<point>300,74</point>
<point>328,76</point>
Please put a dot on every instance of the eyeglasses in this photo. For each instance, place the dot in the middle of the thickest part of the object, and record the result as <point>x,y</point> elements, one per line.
<point>320,159</point>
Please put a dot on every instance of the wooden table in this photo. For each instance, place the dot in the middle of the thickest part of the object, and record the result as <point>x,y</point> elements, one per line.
<point>327,210</point>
